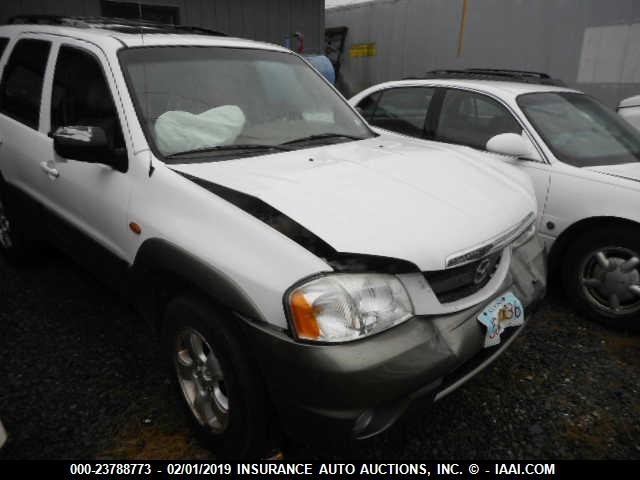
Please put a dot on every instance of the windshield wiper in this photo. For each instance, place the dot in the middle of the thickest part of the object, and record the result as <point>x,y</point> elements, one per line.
<point>320,136</point>
<point>229,148</point>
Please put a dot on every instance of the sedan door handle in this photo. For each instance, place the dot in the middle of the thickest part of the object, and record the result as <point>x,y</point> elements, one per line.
<point>51,171</point>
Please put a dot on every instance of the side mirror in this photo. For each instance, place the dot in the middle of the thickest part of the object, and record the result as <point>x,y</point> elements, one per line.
<point>629,109</point>
<point>82,143</point>
<point>510,144</point>
<point>629,102</point>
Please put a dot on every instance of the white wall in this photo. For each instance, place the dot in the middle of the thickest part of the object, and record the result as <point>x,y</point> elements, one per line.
<point>266,20</point>
<point>591,44</point>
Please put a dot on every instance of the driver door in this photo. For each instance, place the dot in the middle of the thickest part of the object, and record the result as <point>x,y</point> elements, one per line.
<point>89,200</point>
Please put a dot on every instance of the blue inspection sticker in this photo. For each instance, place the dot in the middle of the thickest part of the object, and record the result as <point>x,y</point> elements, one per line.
<point>504,312</point>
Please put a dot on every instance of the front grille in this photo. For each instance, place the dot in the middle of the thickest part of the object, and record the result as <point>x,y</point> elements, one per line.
<point>459,282</point>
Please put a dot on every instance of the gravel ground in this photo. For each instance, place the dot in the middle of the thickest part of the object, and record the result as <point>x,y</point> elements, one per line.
<point>79,378</point>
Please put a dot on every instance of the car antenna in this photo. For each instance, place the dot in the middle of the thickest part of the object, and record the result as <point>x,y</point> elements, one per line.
<point>144,73</point>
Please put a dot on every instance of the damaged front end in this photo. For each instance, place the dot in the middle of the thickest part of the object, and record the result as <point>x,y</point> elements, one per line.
<point>359,388</point>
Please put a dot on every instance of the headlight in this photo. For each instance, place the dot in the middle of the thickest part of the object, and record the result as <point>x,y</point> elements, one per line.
<point>344,307</point>
<point>525,236</point>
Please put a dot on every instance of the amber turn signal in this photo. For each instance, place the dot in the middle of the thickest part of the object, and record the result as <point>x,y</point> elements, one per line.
<point>303,317</point>
<point>135,228</point>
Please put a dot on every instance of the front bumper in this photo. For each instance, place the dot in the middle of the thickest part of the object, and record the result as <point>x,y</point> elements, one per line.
<point>359,389</point>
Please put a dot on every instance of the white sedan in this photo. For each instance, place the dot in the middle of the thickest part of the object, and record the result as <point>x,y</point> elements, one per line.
<point>584,161</point>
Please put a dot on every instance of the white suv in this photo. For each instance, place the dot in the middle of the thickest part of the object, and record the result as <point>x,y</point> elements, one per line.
<point>298,265</point>
<point>583,160</point>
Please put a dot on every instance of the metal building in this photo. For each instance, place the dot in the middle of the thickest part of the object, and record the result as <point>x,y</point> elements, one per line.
<point>593,45</point>
<point>273,21</point>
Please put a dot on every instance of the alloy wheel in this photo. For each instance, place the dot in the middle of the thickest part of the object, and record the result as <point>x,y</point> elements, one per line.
<point>202,380</point>
<point>610,279</point>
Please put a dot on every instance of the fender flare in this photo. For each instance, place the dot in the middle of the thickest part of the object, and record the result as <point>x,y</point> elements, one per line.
<point>159,255</point>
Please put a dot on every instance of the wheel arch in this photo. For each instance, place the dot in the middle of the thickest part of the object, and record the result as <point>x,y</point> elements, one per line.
<point>162,270</point>
<point>570,234</point>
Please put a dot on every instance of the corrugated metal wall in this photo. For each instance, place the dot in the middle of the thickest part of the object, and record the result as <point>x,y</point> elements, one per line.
<point>564,38</point>
<point>267,20</point>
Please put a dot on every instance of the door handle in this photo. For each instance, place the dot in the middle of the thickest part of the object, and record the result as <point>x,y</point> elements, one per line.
<point>51,171</point>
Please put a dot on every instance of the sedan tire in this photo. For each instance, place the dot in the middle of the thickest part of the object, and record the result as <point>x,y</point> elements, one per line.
<point>601,276</point>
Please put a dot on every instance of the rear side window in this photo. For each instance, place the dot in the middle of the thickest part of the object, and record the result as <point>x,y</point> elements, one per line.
<point>21,87</point>
<point>403,110</point>
<point>471,119</point>
<point>3,44</point>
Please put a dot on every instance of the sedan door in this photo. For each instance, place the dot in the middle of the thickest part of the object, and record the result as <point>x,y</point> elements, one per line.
<point>471,118</point>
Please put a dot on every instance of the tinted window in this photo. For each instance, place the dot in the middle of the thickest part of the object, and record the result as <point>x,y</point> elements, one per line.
<point>368,105</point>
<point>21,88</point>
<point>83,99</point>
<point>403,110</point>
<point>3,44</point>
<point>581,131</point>
<point>472,119</point>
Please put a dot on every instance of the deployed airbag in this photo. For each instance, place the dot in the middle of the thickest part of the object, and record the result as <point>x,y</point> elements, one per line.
<point>179,131</point>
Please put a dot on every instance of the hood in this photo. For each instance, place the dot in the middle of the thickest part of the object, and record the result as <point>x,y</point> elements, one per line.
<point>499,164</point>
<point>628,171</point>
<point>381,196</point>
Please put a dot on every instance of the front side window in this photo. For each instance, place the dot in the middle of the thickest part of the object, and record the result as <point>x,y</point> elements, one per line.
<point>367,106</point>
<point>21,87</point>
<point>579,130</point>
<point>81,96</point>
<point>209,100</point>
<point>403,110</point>
<point>471,119</point>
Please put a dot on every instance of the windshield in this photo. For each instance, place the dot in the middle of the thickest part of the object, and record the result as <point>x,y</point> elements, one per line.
<point>579,130</point>
<point>196,100</point>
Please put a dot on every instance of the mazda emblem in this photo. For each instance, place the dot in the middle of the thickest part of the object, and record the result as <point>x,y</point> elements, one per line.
<point>482,270</point>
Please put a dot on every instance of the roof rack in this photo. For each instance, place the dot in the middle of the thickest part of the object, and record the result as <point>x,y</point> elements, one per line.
<point>498,74</point>
<point>123,25</point>
<point>508,71</point>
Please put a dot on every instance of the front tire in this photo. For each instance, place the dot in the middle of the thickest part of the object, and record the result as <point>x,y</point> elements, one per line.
<point>601,276</point>
<point>222,392</point>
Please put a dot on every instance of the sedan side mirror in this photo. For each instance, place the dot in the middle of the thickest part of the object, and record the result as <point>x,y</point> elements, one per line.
<point>510,144</point>
<point>82,143</point>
